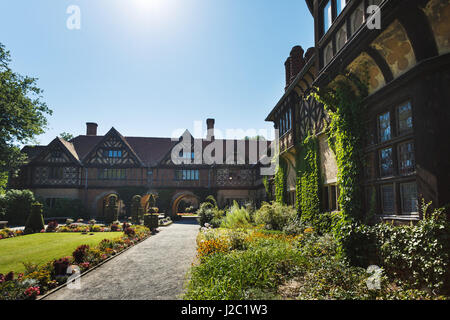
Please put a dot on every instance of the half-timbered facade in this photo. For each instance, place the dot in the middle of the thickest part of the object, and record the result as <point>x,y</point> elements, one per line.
<point>92,167</point>
<point>407,59</point>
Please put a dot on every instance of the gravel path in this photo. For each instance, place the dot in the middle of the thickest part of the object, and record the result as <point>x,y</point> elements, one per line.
<point>155,269</point>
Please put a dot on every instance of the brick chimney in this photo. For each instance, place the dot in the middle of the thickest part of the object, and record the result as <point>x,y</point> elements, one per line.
<point>210,126</point>
<point>91,128</point>
<point>287,66</point>
<point>309,53</point>
<point>297,61</point>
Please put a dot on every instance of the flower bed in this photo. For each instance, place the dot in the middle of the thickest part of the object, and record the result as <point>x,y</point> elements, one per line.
<point>38,279</point>
<point>8,233</point>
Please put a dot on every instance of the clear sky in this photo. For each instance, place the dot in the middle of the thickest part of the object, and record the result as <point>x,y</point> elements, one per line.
<point>148,67</point>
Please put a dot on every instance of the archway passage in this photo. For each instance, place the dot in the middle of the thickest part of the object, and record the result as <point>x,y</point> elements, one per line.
<point>183,201</point>
<point>103,201</point>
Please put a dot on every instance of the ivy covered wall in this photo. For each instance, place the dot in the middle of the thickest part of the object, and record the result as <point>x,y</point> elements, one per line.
<point>308,184</point>
<point>280,181</point>
<point>343,101</point>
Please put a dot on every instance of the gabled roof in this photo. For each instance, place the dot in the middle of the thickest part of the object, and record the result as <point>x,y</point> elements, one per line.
<point>149,151</point>
<point>35,153</point>
<point>69,146</point>
<point>113,132</point>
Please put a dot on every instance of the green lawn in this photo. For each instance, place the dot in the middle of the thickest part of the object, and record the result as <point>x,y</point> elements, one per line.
<point>41,248</point>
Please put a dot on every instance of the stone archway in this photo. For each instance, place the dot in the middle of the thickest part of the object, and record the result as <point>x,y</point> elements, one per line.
<point>102,199</point>
<point>184,195</point>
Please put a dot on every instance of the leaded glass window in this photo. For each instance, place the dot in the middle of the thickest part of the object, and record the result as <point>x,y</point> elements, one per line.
<point>404,118</point>
<point>406,157</point>
<point>387,196</point>
<point>409,197</point>
<point>386,162</point>
<point>384,127</point>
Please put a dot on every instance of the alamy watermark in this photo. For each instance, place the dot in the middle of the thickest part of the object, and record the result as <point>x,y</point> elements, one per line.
<point>230,148</point>
<point>73,22</point>
<point>374,281</point>
<point>374,18</point>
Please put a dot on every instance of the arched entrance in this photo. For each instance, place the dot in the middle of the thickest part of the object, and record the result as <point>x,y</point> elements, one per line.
<point>102,201</point>
<point>182,200</point>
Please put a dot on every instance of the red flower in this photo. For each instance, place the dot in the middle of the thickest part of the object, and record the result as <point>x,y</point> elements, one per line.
<point>32,292</point>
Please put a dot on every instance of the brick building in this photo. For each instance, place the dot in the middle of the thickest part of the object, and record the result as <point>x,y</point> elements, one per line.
<point>407,110</point>
<point>91,167</point>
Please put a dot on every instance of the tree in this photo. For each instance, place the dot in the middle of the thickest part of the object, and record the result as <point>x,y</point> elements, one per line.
<point>67,136</point>
<point>22,115</point>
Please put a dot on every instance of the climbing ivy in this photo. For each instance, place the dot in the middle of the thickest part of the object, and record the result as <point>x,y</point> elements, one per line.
<point>280,181</point>
<point>308,184</point>
<point>343,103</point>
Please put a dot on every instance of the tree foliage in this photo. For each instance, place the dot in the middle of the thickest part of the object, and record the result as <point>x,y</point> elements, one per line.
<point>67,136</point>
<point>22,114</point>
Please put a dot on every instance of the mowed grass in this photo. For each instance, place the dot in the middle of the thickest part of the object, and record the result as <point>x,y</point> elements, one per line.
<point>41,248</point>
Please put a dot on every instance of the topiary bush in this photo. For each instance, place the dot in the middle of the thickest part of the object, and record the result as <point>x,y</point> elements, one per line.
<point>112,210</point>
<point>35,221</point>
<point>16,206</point>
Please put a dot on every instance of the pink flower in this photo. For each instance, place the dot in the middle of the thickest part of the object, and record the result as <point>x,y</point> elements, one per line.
<point>32,292</point>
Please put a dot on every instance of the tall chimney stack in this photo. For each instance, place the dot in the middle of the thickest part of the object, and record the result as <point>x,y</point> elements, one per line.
<point>210,126</point>
<point>297,61</point>
<point>91,128</point>
<point>287,66</point>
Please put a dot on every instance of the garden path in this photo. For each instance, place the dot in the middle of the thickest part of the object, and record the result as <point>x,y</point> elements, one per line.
<point>155,269</point>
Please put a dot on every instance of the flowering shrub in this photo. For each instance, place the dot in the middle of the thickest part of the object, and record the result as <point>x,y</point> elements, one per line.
<point>115,227</point>
<point>209,247</point>
<point>32,292</point>
<point>129,232</point>
<point>39,279</point>
<point>7,233</point>
<point>60,266</point>
<point>52,226</point>
<point>80,253</point>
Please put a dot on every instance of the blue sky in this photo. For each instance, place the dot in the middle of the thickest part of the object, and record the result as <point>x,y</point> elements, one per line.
<point>148,67</point>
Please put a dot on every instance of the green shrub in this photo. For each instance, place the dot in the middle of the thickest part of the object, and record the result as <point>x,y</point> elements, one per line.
<point>35,221</point>
<point>73,208</point>
<point>16,206</point>
<point>241,274</point>
<point>209,214</point>
<point>275,216</point>
<point>417,254</point>
<point>236,217</point>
